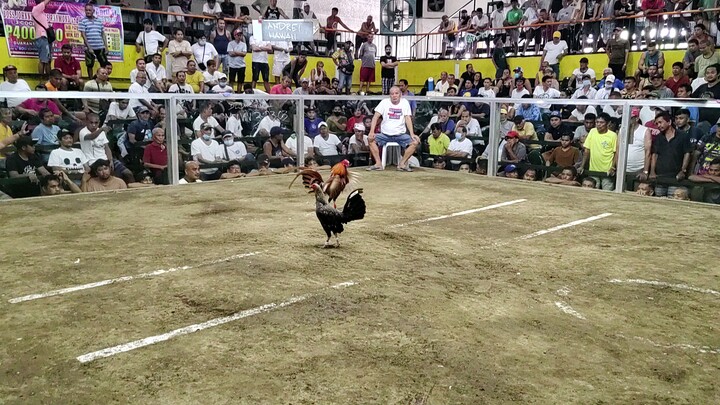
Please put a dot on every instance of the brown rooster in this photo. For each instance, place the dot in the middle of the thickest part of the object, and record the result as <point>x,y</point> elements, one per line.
<point>335,184</point>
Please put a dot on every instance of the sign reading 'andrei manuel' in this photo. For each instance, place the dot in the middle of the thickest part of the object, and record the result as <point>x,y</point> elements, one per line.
<point>288,30</point>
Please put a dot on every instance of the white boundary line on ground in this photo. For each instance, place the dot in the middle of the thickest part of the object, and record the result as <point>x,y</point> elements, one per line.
<point>683,346</point>
<point>111,351</point>
<point>569,310</point>
<point>472,211</point>
<point>664,284</point>
<point>563,226</point>
<point>96,284</point>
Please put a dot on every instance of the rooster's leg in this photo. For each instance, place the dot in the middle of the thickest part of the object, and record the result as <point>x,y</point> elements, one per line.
<point>337,240</point>
<point>327,242</point>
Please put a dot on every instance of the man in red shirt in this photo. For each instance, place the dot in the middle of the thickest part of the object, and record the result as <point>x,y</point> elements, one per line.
<point>70,68</point>
<point>678,78</point>
<point>155,156</point>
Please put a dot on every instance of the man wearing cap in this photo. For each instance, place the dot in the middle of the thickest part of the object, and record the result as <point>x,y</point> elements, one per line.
<point>580,72</point>
<point>608,87</point>
<point>359,141</point>
<point>101,178</point>
<point>514,150</point>
<point>13,83</point>
<point>66,158</point>
<point>24,163</point>
<point>222,87</point>
<point>618,50</point>
<point>235,150</point>
<point>658,83</point>
<point>138,131</point>
<point>304,89</point>
<point>526,131</point>
<point>343,59</point>
<point>396,123</point>
<point>206,150</point>
<point>553,52</point>
<point>327,146</point>
<point>237,49</point>
<point>557,128</point>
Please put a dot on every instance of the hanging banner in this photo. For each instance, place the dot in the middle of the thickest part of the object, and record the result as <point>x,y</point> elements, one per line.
<point>64,16</point>
<point>397,17</point>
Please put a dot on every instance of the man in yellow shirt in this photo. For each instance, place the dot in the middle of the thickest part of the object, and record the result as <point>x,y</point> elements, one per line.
<point>438,141</point>
<point>195,78</point>
<point>526,131</point>
<point>601,151</point>
<point>6,134</point>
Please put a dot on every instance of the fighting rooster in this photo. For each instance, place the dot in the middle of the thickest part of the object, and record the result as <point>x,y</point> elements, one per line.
<point>335,184</point>
<point>331,218</point>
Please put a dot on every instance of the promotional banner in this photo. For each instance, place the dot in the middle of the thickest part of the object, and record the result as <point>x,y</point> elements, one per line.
<point>64,16</point>
<point>397,17</point>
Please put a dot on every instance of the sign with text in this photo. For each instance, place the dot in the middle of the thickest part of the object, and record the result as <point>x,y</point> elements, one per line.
<point>288,30</point>
<point>64,17</point>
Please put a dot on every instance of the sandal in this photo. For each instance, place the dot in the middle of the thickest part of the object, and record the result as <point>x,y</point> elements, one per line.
<point>373,168</point>
<point>404,169</point>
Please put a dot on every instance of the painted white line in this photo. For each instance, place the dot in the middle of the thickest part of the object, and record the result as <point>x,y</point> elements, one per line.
<point>96,284</point>
<point>683,346</point>
<point>472,211</point>
<point>563,226</point>
<point>664,284</point>
<point>111,351</point>
<point>569,310</point>
<point>563,292</point>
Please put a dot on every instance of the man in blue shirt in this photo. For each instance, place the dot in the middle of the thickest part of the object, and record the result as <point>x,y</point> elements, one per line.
<point>312,123</point>
<point>93,34</point>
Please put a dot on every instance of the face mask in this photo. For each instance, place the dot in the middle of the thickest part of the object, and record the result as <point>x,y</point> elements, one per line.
<point>608,85</point>
<point>222,84</point>
<point>206,137</point>
<point>201,42</point>
<point>586,83</point>
<point>516,75</point>
<point>458,135</point>
<point>228,142</point>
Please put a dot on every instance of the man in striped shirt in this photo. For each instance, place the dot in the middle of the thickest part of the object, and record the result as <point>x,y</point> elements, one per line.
<point>93,34</point>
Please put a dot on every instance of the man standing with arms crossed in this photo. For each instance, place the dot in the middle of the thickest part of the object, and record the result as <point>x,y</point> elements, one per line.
<point>396,123</point>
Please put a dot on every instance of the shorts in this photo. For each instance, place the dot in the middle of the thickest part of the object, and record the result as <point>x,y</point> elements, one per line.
<point>43,48</point>
<point>278,66</point>
<point>404,140</point>
<point>118,166</point>
<point>260,68</point>
<point>173,18</point>
<point>237,73</point>
<point>344,80</point>
<point>367,74</point>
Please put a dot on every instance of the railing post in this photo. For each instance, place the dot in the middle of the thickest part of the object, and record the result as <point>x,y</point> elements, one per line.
<point>622,149</point>
<point>300,131</point>
<point>494,140</point>
<point>172,141</point>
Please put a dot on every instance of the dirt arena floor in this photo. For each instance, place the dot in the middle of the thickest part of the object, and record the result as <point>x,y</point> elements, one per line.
<point>531,294</point>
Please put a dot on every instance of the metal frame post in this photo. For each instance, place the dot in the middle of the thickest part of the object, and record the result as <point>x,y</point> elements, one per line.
<point>622,149</point>
<point>494,140</point>
<point>300,131</point>
<point>172,141</point>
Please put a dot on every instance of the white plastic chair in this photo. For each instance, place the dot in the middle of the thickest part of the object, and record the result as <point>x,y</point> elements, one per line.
<point>396,153</point>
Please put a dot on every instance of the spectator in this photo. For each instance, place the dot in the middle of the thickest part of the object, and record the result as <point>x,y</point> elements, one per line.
<point>32,107</point>
<point>618,50</point>
<point>7,137</point>
<point>42,43</point>
<point>659,86</point>
<point>70,69</point>
<point>564,155</point>
<point>235,151</point>
<point>158,72</point>
<point>651,57</point>
<point>13,83</point>
<point>119,110</point>
<point>712,175</point>
<point>192,173</point>
<point>708,57</point>
<point>709,90</point>
<point>318,73</point>
<point>589,182</point>
<point>683,124</point>
<point>266,125</point>
<point>497,21</point>
<point>283,87</point>
<point>210,9</point>
<point>582,71</point>
<point>670,154</point>
<point>155,156</point>
<point>553,52</point>
<point>237,49</point>
<point>513,19</point>
<point>95,145</point>
<point>556,129</point>
<point>312,122</point>
<point>194,77</point>
<point>448,28</point>
<point>53,184</point>
<point>528,111</point>
<point>331,31</point>
<point>326,145</point>
<point>281,58</point>
<point>337,121</point>
<point>499,58</point>
<point>140,67</point>
<point>567,177</point>
<point>206,117</point>
<point>273,12</point>
<point>93,33</point>
<point>601,151</point>
<point>607,89</point>
<point>306,14</point>
<point>139,88</point>
<point>204,52</point>
<point>691,54</point>
<point>343,59</point>
<point>222,86</point>
<point>150,42</point>
<point>180,50</point>
<point>438,141</point>
<point>585,89</point>
<point>367,28</point>
<point>275,147</point>
<point>645,189</point>
<point>471,124</point>
<point>639,144</point>
<point>211,75</point>
<point>460,147</point>
<point>396,122</point>
<point>234,171</point>
<point>580,111</point>
<point>626,8</point>
<point>530,175</point>
<point>359,141</point>
<point>630,90</point>
<point>260,64</point>
<point>24,163</point>
<point>101,178</point>
<point>591,28</point>
<point>206,150</point>
<point>66,158</point>
<point>513,150</point>
<point>357,118</point>
<point>367,53</point>
<point>531,17</point>
<point>296,68</point>
<point>181,85</point>
<point>47,132</point>
<point>138,132</point>
<point>447,125</point>
<point>220,39</point>
<point>292,144</point>
<point>176,19</point>
<point>403,85</point>
<point>526,131</point>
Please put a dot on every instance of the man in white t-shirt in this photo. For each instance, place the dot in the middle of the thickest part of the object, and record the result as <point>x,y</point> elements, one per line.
<point>359,141</point>
<point>544,90</point>
<point>396,123</point>
<point>583,70</point>
<point>192,173</point>
<point>95,145</point>
<point>66,158</point>
<point>292,142</point>
<point>326,144</point>
<point>148,42</point>
<point>460,147</point>
<point>235,150</point>
<point>580,111</point>
<point>260,64</point>
<point>158,71</point>
<point>553,52</point>
<point>138,87</point>
<point>204,149</point>
<point>140,67</point>
<point>206,117</point>
<point>13,83</point>
<point>471,124</point>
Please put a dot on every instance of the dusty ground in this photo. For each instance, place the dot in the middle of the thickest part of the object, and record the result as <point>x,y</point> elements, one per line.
<point>451,311</point>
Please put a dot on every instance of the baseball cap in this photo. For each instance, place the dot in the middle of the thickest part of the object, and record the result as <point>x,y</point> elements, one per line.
<point>557,34</point>
<point>555,114</point>
<point>9,67</point>
<point>304,80</point>
<point>276,131</point>
<point>222,76</point>
<point>657,76</point>
<point>510,168</point>
<point>618,29</point>
<point>228,134</point>
<point>512,134</point>
<point>205,125</point>
<point>518,69</point>
<point>610,78</point>
<point>654,94</point>
<point>359,127</point>
<point>322,124</point>
<point>503,111</point>
<point>142,108</point>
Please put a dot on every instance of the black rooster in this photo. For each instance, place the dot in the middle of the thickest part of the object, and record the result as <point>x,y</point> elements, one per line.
<point>331,218</point>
